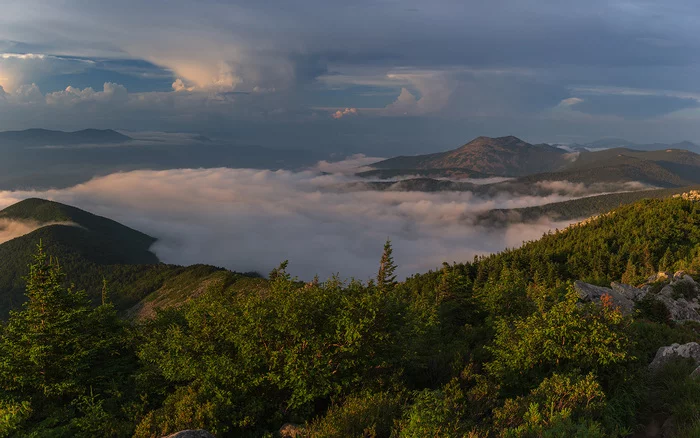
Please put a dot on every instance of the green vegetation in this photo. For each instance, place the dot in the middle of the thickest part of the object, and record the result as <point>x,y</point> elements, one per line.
<point>498,347</point>
<point>91,249</point>
<point>575,208</point>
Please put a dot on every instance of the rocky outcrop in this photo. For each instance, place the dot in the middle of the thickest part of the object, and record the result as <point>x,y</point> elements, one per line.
<point>630,292</point>
<point>664,355</point>
<point>200,433</point>
<point>693,195</point>
<point>679,295</point>
<point>591,293</point>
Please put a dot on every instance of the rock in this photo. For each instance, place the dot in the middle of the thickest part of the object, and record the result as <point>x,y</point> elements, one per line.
<point>629,292</point>
<point>290,430</point>
<point>678,275</point>
<point>660,276</point>
<point>591,293</point>
<point>200,433</point>
<point>666,291</point>
<point>680,309</point>
<point>666,354</point>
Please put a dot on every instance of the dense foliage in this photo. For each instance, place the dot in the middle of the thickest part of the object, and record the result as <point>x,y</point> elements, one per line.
<point>498,347</point>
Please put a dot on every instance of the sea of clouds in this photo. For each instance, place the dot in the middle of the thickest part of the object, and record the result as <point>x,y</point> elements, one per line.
<point>251,220</point>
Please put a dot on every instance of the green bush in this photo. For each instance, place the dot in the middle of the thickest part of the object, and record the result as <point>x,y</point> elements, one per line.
<point>359,416</point>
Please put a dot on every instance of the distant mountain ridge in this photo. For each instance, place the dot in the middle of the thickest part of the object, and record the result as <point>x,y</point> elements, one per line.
<point>529,164</point>
<point>42,158</point>
<point>610,143</point>
<point>502,156</point>
<point>46,137</point>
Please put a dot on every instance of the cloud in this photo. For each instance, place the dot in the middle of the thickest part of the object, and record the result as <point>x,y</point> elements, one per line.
<point>11,229</point>
<point>346,112</point>
<point>501,66</point>
<point>635,106</point>
<point>571,101</point>
<point>179,85</point>
<point>350,165</point>
<point>17,69</point>
<point>70,96</point>
<point>247,219</point>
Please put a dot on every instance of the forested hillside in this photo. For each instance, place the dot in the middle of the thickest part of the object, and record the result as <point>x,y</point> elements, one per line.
<point>91,249</point>
<point>497,347</point>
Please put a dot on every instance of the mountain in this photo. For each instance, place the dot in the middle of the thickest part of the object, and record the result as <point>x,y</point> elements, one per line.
<point>502,156</point>
<point>45,137</point>
<point>82,242</point>
<point>508,156</point>
<point>41,159</point>
<point>92,249</point>
<point>580,208</point>
<point>609,143</point>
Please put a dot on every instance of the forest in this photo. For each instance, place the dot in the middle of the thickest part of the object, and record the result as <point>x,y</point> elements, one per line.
<point>499,346</point>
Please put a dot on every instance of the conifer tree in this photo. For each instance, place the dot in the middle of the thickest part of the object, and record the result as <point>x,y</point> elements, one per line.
<point>57,349</point>
<point>42,344</point>
<point>386,279</point>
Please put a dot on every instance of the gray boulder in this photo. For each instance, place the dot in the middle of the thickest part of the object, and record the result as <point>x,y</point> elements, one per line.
<point>666,291</point>
<point>660,276</point>
<point>591,293</point>
<point>200,433</point>
<point>666,354</point>
<point>680,309</point>
<point>629,292</point>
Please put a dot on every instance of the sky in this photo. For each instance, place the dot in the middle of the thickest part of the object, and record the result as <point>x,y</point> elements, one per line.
<point>379,77</point>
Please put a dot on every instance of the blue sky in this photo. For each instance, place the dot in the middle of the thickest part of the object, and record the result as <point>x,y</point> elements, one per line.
<point>381,77</point>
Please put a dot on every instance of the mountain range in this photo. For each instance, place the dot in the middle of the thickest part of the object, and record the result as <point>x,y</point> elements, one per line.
<point>503,156</point>
<point>40,159</point>
<point>527,164</point>
<point>609,143</point>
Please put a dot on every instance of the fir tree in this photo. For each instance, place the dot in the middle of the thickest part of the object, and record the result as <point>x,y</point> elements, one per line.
<point>43,344</point>
<point>386,279</point>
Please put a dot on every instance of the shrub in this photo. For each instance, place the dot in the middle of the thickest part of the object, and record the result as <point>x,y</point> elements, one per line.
<point>366,415</point>
<point>653,310</point>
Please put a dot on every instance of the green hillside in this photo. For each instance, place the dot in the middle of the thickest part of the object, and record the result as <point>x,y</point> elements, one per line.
<point>576,208</point>
<point>90,249</point>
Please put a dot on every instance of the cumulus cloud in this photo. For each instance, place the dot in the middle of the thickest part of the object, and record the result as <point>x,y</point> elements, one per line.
<point>435,88</point>
<point>179,85</point>
<point>17,69</point>
<point>346,112</point>
<point>247,219</point>
<point>71,95</point>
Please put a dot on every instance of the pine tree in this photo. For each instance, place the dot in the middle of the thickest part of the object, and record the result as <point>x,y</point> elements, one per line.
<point>386,279</point>
<point>57,348</point>
<point>666,262</point>
<point>42,345</point>
<point>631,274</point>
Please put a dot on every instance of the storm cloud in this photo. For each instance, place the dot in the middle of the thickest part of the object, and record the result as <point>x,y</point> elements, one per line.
<point>442,71</point>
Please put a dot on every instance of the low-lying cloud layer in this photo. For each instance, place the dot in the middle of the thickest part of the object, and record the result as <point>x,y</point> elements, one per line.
<point>11,229</point>
<point>247,219</point>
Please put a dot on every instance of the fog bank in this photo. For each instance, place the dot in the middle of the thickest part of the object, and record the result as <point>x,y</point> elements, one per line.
<point>245,219</point>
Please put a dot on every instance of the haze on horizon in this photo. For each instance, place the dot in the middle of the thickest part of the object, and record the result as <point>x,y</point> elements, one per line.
<point>376,77</point>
